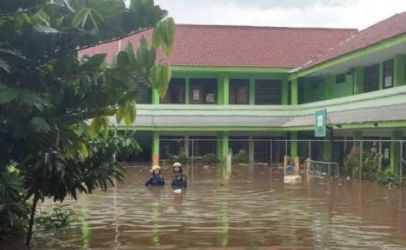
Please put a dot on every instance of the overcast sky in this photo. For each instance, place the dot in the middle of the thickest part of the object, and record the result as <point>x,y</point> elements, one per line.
<point>290,13</point>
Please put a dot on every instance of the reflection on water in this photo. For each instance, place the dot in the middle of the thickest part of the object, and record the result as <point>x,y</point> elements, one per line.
<point>247,207</point>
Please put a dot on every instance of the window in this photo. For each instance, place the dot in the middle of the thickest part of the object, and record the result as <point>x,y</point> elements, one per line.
<point>268,92</point>
<point>239,91</point>
<point>203,91</point>
<point>201,145</point>
<point>388,74</point>
<point>170,146</point>
<point>340,78</point>
<point>176,92</point>
<point>371,78</point>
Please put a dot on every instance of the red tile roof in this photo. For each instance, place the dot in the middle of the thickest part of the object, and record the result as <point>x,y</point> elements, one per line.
<point>386,29</point>
<point>240,46</point>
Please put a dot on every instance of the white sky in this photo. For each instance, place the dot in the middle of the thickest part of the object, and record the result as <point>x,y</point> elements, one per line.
<point>287,13</point>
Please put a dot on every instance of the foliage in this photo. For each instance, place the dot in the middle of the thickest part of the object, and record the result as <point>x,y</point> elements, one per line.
<point>58,217</point>
<point>370,167</point>
<point>13,211</point>
<point>209,159</point>
<point>182,158</point>
<point>56,104</point>
<point>387,178</point>
<point>241,157</point>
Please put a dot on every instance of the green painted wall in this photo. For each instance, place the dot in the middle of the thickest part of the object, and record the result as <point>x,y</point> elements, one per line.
<point>336,90</point>
<point>400,70</point>
<point>294,92</point>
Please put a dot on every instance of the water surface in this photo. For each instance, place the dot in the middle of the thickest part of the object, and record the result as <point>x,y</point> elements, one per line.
<point>248,207</point>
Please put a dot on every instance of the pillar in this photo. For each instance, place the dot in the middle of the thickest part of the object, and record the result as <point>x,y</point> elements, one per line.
<point>399,73</point>
<point>225,92</point>
<point>395,152</point>
<point>251,150</point>
<point>155,148</point>
<point>293,144</point>
<point>294,91</point>
<point>222,146</point>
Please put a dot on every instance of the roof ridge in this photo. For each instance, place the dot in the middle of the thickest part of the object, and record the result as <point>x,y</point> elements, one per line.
<point>262,27</point>
<point>347,40</point>
<point>382,21</point>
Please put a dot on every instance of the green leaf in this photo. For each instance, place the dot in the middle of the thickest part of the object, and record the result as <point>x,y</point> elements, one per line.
<point>83,150</point>
<point>121,113</point>
<point>45,29</point>
<point>4,65</point>
<point>160,77</point>
<point>156,38</point>
<point>7,94</point>
<point>80,18</point>
<point>123,59</point>
<point>130,117</point>
<point>39,124</point>
<point>93,62</point>
<point>95,127</point>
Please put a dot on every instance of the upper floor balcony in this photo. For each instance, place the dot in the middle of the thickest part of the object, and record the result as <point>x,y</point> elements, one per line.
<point>374,109</point>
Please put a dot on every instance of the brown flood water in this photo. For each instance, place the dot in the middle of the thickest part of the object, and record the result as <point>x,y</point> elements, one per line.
<point>246,208</point>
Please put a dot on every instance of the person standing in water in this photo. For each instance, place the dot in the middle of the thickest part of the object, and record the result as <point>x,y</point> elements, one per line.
<point>155,180</point>
<point>179,179</point>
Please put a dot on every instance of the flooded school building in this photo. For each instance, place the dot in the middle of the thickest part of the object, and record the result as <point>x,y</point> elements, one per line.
<point>257,89</point>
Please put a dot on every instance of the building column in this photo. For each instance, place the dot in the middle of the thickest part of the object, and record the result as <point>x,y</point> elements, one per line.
<point>399,66</point>
<point>155,148</point>
<point>395,152</point>
<point>251,150</point>
<point>293,145</point>
<point>294,91</point>
<point>222,146</point>
<point>225,93</point>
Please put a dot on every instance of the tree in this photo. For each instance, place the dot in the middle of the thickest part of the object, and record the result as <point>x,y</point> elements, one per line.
<point>55,106</point>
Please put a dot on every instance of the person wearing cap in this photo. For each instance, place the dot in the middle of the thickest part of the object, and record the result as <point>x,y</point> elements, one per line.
<point>155,180</point>
<point>179,179</point>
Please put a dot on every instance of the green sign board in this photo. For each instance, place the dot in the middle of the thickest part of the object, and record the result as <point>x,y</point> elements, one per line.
<point>320,123</point>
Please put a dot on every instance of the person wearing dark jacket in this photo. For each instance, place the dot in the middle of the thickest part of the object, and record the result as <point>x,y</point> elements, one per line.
<point>156,179</point>
<point>179,179</point>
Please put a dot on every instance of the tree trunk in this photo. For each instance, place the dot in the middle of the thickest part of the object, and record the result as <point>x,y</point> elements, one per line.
<point>32,216</point>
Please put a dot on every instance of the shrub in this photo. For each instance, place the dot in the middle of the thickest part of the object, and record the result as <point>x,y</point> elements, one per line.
<point>182,158</point>
<point>59,217</point>
<point>209,159</point>
<point>13,210</point>
<point>241,157</point>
